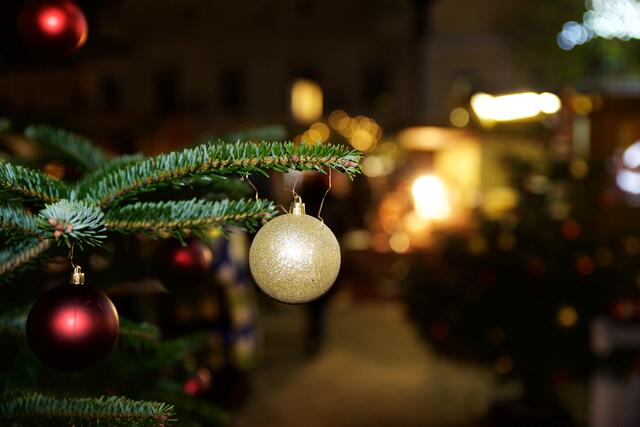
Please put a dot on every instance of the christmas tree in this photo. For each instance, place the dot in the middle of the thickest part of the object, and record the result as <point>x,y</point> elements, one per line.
<point>519,292</point>
<point>97,208</point>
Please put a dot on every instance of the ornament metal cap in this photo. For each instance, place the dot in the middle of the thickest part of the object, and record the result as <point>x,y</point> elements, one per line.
<point>77,278</point>
<point>297,207</point>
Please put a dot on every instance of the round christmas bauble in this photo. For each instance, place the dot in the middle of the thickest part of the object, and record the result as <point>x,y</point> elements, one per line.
<point>294,258</point>
<point>72,326</point>
<point>53,26</point>
<point>185,262</point>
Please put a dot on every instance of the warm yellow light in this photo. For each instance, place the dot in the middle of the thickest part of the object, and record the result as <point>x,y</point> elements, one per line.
<point>459,117</point>
<point>399,242</point>
<point>362,140</point>
<point>306,101</point>
<point>549,103</point>
<point>322,129</point>
<point>430,198</point>
<point>312,136</point>
<point>337,119</point>
<point>373,166</point>
<point>567,316</point>
<point>515,106</point>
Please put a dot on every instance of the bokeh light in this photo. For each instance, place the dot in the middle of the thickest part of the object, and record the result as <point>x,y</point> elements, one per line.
<point>609,19</point>
<point>567,316</point>
<point>459,117</point>
<point>430,198</point>
<point>306,101</point>
<point>516,106</point>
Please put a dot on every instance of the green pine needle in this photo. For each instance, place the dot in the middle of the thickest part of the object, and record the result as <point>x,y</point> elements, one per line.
<point>72,221</point>
<point>15,219</point>
<point>19,255</point>
<point>112,165</point>
<point>80,150</point>
<point>34,409</point>
<point>183,217</point>
<point>30,184</point>
<point>138,335</point>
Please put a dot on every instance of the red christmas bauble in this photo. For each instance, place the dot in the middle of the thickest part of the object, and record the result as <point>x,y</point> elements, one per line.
<point>72,326</point>
<point>190,261</point>
<point>53,26</point>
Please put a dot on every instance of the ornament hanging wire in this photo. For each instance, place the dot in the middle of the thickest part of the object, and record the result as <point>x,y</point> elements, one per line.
<point>77,278</point>
<point>73,244</point>
<point>324,197</point>
<point>246,177</point>
<point>296,196</point>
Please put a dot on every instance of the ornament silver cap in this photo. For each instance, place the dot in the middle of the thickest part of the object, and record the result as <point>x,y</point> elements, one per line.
<point>77,278</point>
<point>297,207</point>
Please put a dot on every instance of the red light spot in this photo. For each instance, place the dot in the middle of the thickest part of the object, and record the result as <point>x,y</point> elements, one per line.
<point>71,323</point>
<point>184,258</point>
<point>52,20</point>
<point>191,386</point>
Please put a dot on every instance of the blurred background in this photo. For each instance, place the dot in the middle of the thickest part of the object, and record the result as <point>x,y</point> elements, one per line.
<point>490,270</point>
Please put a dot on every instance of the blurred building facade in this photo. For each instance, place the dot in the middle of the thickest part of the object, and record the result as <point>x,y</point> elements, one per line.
<point>229,65</point>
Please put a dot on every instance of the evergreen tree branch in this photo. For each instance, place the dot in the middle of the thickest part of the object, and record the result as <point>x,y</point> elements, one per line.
<point>74,147</point>
<point>30,184</point>
<point>216,159</point>
<point>18,255</point>
<point>14,321</point>
<point>72,221</point>
<point>138,335</point>
<point>112,165</point>
<point>183,217</point>
<point>32,409</point>
<point>14,219</point>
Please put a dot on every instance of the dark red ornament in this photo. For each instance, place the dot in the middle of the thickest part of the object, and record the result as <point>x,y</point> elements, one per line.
<point>72,326</point>
<point>190,261</point>
<point>53,26</point>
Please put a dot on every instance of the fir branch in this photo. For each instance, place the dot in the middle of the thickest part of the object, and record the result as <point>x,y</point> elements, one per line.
<point>74,147</point>
<point>14,321</point>
<point>35,408</point>
<point>20,254</point>
<point>72,221</point>
<point>183,217</point>
<point>216,159</point>
<point>109,167</point>
<point>137,335</point>
<point>14,219</point>
<point>30,184</point>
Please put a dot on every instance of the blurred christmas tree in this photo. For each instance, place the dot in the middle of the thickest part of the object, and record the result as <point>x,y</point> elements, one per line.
<point>519,292</point>
<point>106,211</point>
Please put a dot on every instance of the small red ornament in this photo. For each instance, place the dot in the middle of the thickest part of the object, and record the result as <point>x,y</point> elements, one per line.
<point>190,261</point>
<point>72,326</point>
<point>53,26</point>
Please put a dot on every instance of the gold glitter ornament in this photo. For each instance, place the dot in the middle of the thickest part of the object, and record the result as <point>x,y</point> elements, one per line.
<point>294,258</point>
